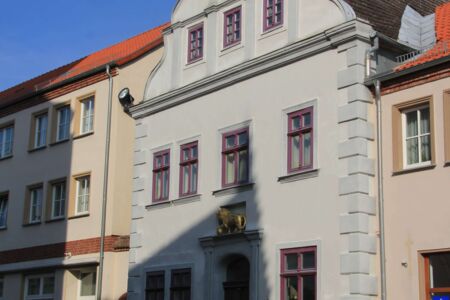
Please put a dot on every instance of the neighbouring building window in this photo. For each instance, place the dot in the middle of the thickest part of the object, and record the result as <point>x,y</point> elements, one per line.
<point>437,272</point>
<point>87,284</point>
<point>155,283</point>
<point>300,140</point>
<point>416,136</point>
<point>3,210</point>
<point>195,47</point>
<point>83,193</point>
<point>40,130</point>
<point>298,274</point>
<point>58,200</point>
<point>232,27</point>
<point>63,123</point>
<point>6,141</point>
<point>40,287</point>
<point>161,175</point>
<point>87,116</point>
<point>36,197</point>
<point>189,169</point>
<point>273,13</point>
<point>180,285</point>
<point>235,157</point>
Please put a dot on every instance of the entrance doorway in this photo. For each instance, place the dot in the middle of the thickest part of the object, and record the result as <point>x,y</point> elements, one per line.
<point>236,286</point>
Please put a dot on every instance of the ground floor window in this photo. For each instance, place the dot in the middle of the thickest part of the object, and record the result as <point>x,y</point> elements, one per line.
<point>1,287</point>
<point>298,273</point>
<point>236,286</point>
<point>87,284</point>
<point>437,272</point>
<point>178,285</point>
<point>40,287</point>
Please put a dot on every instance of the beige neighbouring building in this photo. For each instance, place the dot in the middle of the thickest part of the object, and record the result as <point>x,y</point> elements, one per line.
<point>415,103</point>
<point>53,144</point>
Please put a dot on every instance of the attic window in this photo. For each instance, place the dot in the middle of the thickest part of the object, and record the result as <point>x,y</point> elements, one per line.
<point>195,47</point>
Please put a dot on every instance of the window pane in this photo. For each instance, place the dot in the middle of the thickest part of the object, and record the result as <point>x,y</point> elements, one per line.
<point>165,189</point>
<point>308,287</point>
<point>229,168</point>
<point>3,210</point>
<point>307,120</point>
<point>412,151</point>
<point>292,261</point>
<point>194,153</point>
<point>440,270</point>
<point>194,172</point>
<point>425,120</point>
<point>185,179</point>
<point>49,285</point>
<point>34,286</point>
<point>308,260</point>
<point>295,152</point>
<point>425,148</point>
<point>230,141</point>
<point>291,288</point>
<point>157,185</point>
<point>88,283</point>
<point>295,123</point>
<point>411,124</point>
<point>306,158</point>
<point>243,138</point>
<point>243,166</point>
<point>186,154</point>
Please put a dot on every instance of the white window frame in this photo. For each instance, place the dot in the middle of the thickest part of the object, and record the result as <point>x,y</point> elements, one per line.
<point>87,271</point>
<point>4,199</point>
<point>90,115</point>
<point>38,205</point>
<point>59,124</point>
<point>3,141</point>
<point>40,130</point>
<point>62,200</point>
<point>41,287</point>
<point>78,181</point>
<point>419,136</point>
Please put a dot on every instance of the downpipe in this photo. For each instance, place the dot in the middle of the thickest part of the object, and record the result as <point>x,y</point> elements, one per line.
<point>105,186</point>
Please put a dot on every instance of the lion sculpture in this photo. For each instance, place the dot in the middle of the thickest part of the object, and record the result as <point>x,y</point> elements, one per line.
<point>229,222</point>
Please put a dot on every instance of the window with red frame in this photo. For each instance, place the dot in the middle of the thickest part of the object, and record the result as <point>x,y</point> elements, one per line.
<point>437,275</point>
<point>235,157</point>
<point>273,13</point>
<point>299,274</point>
<point>189,169</point>
<point>232,27</point>
<point>195,48</point>
<point>300,140</point>
<point>161,175</point>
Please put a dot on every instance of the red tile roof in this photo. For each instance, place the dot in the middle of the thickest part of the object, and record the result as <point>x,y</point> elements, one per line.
<point>442,47</point>
<point>120,54</point>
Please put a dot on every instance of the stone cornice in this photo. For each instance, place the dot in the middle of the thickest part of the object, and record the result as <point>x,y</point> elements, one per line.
<point>319,43</point>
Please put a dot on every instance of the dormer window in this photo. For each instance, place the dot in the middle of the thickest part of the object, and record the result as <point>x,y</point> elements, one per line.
<point>232,27</point>
<point>195,48</point>
<point>273,13</point>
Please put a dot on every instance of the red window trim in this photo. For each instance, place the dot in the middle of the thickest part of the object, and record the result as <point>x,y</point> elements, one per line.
<point>428,288</point>
<point>235,149</point>
<point>195,28</point>
<point>225,17</point>
<point>162,168</point>
<point>189,162</point>
<point>267,27</point>
<point>294,132</point>
<point>299,272</point>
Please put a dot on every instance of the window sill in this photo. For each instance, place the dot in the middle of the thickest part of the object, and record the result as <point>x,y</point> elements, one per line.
<point>80,136</point>
<point>412,170</point>
<point>194,63</point>
<point>6,157</point>
<point>233,189</point>
<point>301,175</point>
<point>3,229</point>
<point>157,205</point>
<point>32,224</point>
<point>272,31</point>
<point>55,220</point>
<point>36,149</point>
<point>231,48</point>
<point>59,142</point>
<point>78,216</point>
<point>180,201</point>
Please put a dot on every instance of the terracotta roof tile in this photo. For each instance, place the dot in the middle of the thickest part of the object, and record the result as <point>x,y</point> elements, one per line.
<point>442,47</point>
<point>120,53</point>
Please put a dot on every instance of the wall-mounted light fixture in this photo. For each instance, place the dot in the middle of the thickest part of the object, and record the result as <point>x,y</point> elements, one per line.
<point>126,99</point>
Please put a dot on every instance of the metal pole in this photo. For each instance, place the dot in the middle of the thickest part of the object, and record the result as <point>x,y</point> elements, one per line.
<point>105,186</point>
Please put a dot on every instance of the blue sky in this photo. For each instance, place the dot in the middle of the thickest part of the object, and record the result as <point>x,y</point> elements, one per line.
<point>38,36</point>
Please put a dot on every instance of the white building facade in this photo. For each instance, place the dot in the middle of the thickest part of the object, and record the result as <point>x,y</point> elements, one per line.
<point>258,107</point>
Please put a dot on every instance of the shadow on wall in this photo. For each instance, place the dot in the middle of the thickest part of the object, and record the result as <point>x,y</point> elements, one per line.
<point>223,266</point>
